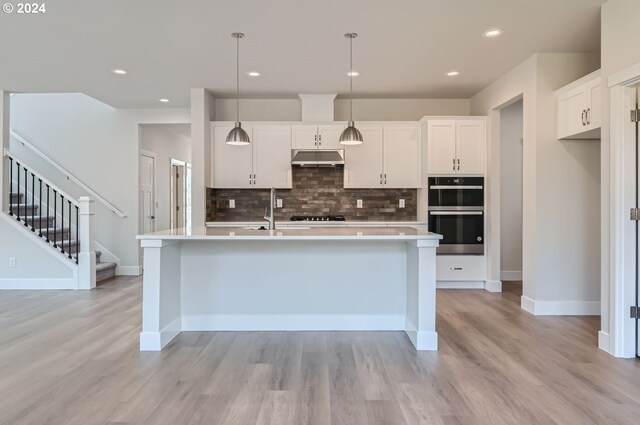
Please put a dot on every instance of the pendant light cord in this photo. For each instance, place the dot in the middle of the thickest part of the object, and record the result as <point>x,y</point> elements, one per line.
<point>351,78</point>
<point>238,79</point>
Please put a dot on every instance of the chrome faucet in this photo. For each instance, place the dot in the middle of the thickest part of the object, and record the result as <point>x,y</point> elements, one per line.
<point>269,218</point>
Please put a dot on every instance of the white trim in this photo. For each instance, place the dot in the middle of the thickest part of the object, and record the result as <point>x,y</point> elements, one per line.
<point>511,275</point>
<point>68,175</point>
<point>626,77</point>
<point>426,340</point>
<point>128,270</point>
<point>293,322</point>
<point>463,284</point>
<point>106,255</point>
<point>560,308</point>
<point>40,284</point>
<point>493,286</point>
<point>604,342</point>
<point>156,341</point>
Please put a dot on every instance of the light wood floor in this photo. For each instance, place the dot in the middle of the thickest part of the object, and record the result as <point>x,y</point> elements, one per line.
<point>72,358</point>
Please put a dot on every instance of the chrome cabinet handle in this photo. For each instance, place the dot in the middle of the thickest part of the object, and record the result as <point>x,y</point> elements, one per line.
<point>588,116</point>
<point>584,113</point>
<point>380,178</point>
<point>458,164</point>
<point>456,268</point>
<point>454,164</point>
<point>249,179</point>
<point>385,178</point>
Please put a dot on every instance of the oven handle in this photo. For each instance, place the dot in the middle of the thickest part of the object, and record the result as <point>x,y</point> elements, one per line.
<point>454,187</point>
<point>456,212</point>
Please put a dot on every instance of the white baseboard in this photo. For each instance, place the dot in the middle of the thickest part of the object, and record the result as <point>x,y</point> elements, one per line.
<point>425,340</point>
<point>560,308</point>
<point>511,275</point>
<point>604,342</point>
<point>44,284</point>
<point>442,284</point>
<point>493,286</point>
<point>156,341</point>
<point>293,322</point>
<point>128,271</point>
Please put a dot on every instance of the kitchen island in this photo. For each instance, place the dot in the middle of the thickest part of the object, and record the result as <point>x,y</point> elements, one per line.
<point>295,278</point>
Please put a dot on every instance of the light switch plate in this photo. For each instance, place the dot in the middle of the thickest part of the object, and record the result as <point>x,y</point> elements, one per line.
<point>232,203</point>
<point>359,203</point>
<point>278,203</point>
<point>401,203</point>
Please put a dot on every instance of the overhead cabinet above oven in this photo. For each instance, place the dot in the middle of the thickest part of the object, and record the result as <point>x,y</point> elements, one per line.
<point>456,146</point>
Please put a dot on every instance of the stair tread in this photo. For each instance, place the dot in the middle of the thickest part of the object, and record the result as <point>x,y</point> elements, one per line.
<point>105,266</point>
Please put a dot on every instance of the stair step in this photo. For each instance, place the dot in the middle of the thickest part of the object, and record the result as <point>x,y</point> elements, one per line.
<point>23,209</point>
<point>57,234</point>
<point>47,221</point>
<point>105,271</point>
<point>98,255</point>
<point>16,197</point>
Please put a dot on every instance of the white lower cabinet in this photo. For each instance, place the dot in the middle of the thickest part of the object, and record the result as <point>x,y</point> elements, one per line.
<point>264,163</point>
<point>460,268</point>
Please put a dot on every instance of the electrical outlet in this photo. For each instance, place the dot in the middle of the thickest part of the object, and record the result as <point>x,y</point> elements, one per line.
<point>401,203</point>
<point>12,261</point>
<point>232,203</point>
<point>278,203</point>
<point>359,203</point>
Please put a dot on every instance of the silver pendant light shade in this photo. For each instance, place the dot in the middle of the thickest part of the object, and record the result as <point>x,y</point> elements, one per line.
<point>237,136</point>
<point>351,135</point>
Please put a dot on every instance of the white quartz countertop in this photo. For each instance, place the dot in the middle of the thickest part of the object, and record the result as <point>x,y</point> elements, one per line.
<point>299,232</point>
<point>284,224</point>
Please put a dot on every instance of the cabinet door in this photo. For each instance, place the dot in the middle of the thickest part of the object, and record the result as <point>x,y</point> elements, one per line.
<point>402,156</point>
<point>272,156</point>
<point>441,147</point>
<point>330,136</point>
<point>594,111</point>
<point>232,165</point>
<point>571,109</point>
<point>471,137</point>
<point>363,163</point>
<point>304,137</point>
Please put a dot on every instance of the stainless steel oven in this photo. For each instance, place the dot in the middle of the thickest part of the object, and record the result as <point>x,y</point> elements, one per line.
<point>456,211</point>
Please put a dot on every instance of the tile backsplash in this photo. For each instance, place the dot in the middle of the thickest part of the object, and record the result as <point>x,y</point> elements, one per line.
<point>316,191</point>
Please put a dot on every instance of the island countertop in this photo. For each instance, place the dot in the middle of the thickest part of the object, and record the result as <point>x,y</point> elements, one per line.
<point>300,232</point>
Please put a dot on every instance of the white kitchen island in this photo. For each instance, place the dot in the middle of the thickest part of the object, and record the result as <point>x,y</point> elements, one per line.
<point>313,278</point>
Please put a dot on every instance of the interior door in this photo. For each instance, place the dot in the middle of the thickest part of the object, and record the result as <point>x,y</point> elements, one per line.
<point>441,147</point>
<point>147,198</point>
<point>232,165</point>
<point>363,163</point>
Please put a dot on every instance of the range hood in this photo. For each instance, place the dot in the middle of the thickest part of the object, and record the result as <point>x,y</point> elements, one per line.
<point>317,158</point>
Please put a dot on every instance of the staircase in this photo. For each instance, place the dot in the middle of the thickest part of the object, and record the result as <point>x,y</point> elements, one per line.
<point>51,215</point>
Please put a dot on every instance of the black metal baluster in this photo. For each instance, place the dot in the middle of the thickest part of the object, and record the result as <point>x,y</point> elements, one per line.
<point>40,208</point>
<point>69,205</point>
<point>18,215</point>
<point>77,235</point>
<point>26,186</point>
<point>10,186</point>
<point>33,203</point>
<point>55,217</point>
<point>62,223</point>
<point>48,190</point>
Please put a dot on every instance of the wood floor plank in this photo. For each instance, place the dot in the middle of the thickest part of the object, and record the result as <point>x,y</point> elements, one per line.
<point>71,358</point>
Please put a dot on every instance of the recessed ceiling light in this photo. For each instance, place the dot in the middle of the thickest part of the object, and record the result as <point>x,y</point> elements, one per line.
<point>453,73</point>
<point>253,74</point>
<point>164,100</point>
<point>353,73</point>
<point>119,72</point>
<point>492,33</point>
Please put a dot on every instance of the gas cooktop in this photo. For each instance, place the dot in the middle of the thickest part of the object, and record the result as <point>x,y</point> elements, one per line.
<point>317,218</point>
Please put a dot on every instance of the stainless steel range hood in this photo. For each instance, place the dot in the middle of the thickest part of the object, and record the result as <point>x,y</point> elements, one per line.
<point>317,158</point>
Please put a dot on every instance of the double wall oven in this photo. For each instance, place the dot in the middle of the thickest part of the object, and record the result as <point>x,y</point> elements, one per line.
<point>456,211</point>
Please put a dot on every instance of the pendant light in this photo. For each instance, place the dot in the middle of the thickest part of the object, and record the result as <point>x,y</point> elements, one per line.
<point>237,136</point>
<point>351,135</point>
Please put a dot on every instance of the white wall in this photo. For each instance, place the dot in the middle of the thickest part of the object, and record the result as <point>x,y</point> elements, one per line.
<point>167,141</point>
<point>620,50</point>
<point>363,109</point>
<point>99,145</point>
<point>560,247</point>
<point>511,192</point>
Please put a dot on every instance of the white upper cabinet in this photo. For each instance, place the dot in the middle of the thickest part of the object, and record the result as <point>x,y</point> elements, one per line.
<point>402,156</point>
<point>309,137</point>
<point>264,163</point>
<point>456,146</point>
<point>388,158</point>
<point>363,163</point>
<point>579,108</point>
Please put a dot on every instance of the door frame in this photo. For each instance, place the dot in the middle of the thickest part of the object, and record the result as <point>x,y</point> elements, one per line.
<point>620,341</point>
<point>154,156</point>
<point>173,196</point>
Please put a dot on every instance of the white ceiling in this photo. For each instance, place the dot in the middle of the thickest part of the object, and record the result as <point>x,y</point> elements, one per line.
<point>404,49</point>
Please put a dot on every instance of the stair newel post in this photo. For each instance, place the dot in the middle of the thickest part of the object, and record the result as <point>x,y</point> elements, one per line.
<point>86,255</point>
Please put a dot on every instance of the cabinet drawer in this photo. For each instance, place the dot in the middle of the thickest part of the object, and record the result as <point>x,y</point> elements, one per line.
<point>460,267</point>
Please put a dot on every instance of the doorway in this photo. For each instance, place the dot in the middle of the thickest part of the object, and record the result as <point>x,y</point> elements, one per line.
<point>147,191</point>
<point>511,149</point>
<point>179,195</point>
